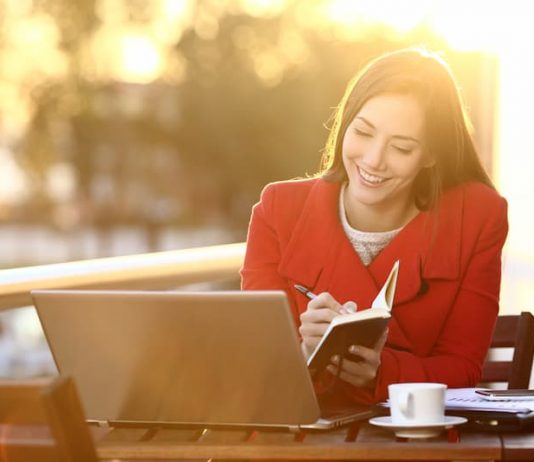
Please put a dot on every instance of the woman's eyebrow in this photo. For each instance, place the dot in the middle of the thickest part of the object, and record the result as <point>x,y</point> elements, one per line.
<point>363,119</point>
<point>402,137</point>
<point>407,138</point>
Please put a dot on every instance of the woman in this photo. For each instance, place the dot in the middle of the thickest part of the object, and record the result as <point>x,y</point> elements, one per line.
<point>401,179</point>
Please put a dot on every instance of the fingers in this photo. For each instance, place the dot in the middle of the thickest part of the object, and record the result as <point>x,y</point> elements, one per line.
<point>314,322</point>
<point>379,345</point>
<point>360,380</point>
<point>313,325</point>
<point>362,372</point>
<point>324,300</point>
<point>350,307</point>
<point>358,374</point>
<point>370,354</point>
<point>324,315</point>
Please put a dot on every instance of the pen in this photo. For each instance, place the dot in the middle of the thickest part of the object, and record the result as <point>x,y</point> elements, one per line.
<point>305,291</point>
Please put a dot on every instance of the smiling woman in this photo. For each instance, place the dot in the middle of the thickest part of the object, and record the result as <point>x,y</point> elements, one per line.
<point>401,180</point>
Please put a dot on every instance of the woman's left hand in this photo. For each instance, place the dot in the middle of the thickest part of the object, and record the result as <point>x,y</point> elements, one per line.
<point>363,372</point>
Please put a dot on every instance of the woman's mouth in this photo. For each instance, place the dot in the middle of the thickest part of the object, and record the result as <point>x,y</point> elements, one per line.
<point>369,178</point>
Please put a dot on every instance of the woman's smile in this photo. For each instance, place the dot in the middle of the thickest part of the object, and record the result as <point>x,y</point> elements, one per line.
<point>369,178</point>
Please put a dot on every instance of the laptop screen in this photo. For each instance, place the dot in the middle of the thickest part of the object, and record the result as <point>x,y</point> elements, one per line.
<point>180,357</point>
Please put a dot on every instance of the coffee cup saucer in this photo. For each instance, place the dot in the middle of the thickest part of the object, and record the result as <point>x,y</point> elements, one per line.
<point>417,430</point>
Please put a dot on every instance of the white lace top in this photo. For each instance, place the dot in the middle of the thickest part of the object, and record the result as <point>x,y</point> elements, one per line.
<point>366,244</point>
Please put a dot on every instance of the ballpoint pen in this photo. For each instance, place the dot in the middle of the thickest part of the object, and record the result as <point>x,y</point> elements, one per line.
<point>307,292</point>
<point>349,307</point>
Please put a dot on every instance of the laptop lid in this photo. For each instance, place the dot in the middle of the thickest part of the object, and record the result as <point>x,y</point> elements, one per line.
<point>211,358</point>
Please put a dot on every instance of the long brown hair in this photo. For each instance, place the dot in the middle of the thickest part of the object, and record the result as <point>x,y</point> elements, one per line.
<point>447,139</point>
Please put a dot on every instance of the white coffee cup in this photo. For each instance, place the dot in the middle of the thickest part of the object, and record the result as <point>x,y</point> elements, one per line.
<point>417,403</point>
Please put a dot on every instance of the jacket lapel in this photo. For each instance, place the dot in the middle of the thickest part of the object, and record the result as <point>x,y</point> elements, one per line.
<point>311,240</point>
<point>428,248</point>
<point>320,256</point>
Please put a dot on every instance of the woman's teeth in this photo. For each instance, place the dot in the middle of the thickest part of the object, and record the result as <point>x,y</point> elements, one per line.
<point>370,178</point>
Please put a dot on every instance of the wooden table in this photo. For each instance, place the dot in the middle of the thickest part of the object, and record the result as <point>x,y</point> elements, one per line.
<point>358,442</point>
<point>518,446</point>
<point>354,443</point>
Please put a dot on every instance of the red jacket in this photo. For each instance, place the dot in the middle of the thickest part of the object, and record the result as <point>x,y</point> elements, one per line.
<point>447,296</point>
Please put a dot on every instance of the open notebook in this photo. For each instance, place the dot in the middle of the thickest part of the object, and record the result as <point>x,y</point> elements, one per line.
<point>362,327</point>
<point>189,358</point>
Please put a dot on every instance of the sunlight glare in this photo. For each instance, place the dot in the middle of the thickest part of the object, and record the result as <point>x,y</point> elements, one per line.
<point>33,48</point>
<point>401,16</point>
<point>478,28</point>
<point>141,59</point>
<point>476,25</point>
<point>175,9</point>
<point>173,17</point>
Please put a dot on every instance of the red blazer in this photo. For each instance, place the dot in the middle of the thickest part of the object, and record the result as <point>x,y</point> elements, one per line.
<point>447,296</point>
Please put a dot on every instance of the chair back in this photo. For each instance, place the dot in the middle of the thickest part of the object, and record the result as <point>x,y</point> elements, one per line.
<point>516,332</point>
<point>44,420</point>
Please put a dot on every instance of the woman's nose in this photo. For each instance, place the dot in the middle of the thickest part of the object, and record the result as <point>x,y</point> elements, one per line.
<point>375,155</point>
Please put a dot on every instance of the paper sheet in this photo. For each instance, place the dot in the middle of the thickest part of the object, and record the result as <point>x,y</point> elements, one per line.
<point>466,398</point>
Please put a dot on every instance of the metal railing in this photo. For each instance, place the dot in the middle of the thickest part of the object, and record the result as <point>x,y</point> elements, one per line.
<point>143,271</point>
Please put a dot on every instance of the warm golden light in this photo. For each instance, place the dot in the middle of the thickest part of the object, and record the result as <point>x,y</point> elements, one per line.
<point>125,54</point>
<point>401,16</point>
<point>141,59</point>
<point>172,18</point>
<point>263,7</point>
<point>476,29</point>
<point>475,25</point>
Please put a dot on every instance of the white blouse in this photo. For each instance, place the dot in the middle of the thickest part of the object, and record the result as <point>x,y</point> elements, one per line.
<point>366,244</point>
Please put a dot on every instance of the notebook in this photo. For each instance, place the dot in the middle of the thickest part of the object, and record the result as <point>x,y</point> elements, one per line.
<point>227,358</point>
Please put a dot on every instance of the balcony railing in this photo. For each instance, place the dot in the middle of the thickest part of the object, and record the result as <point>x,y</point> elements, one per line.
<point>144,271</point>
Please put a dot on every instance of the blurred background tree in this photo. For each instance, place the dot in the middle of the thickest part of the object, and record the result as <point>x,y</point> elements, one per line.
<point>175,113</point>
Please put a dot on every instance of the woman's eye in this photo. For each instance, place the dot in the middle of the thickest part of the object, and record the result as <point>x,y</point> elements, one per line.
<point>403,150</point>
<point>361,132</point>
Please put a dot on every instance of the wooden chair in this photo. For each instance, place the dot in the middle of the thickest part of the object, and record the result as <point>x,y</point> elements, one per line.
<point>517,332</point>
<point>43,420</point>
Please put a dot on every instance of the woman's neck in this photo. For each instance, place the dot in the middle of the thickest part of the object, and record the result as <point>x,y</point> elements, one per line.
<point>373,218</point>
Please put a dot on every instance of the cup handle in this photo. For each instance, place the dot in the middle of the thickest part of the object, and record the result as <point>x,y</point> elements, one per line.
<point>404,403</point>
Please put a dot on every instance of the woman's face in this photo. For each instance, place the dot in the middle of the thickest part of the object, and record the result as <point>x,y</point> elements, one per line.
<point>383,150</point>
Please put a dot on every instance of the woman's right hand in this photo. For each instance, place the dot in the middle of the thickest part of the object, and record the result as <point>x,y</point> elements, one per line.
<point>318,315</point>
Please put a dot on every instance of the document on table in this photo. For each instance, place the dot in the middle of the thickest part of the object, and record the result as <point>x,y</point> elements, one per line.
<point>467,399</point>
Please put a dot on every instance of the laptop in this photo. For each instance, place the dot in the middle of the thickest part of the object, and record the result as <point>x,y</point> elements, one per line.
<point>209,359</point>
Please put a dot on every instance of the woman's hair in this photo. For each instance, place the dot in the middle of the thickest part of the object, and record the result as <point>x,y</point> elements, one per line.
<point>446,138</point>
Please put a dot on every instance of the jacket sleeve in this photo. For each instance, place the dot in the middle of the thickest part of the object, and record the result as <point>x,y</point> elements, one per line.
<point>262,256</point>
<point>460,350</point>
